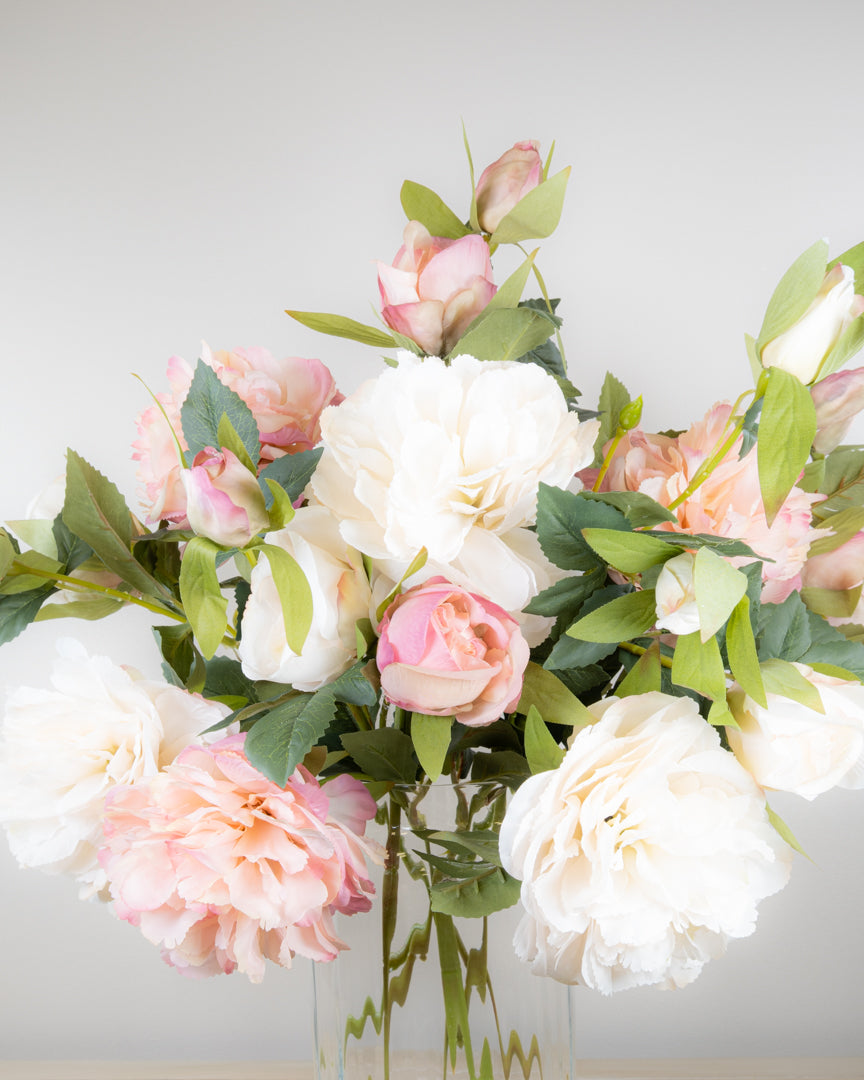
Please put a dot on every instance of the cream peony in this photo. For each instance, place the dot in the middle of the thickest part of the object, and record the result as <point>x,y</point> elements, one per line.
<point>643,853</point>
<point>450,458</point>
<point>340,596</point>
<point>102,726</point>
<point>793,748</point>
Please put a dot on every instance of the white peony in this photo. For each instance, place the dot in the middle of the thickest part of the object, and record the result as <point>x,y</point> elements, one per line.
<point>340,596</point>
<point>450,458</point>
<point>643,853</point>
<point>790,747</point>
<point>65,749</point>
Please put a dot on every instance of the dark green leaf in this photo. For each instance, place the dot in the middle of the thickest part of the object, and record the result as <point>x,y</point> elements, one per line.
<point>18,611</point>
<point>613,397</point>
<point>491,889</point>
<point>207,402</point>
<point>640,510</point>
<point>566,596</point>
<point>383,754</point>
<point>225,678</point>
<point>353,687</point>
<point>784,629</point>
<point>291,472</point>
<point>561,517</point>
<point>71,549</point>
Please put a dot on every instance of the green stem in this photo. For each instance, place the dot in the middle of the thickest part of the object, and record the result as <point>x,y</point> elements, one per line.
<point>607,460</point>
<point>389,901</point>
<point>638,650</point>
<point>83,585</point>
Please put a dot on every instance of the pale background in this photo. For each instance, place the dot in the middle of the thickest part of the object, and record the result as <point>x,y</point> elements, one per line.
<point>186,170</point>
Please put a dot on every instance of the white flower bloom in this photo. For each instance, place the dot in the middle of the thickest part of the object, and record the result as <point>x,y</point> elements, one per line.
<point>676,598</point>
<point>643,853</point>
<point>65,749</point>
<point>340,596</point>
<point>790,747</point>
<point>430,455</point>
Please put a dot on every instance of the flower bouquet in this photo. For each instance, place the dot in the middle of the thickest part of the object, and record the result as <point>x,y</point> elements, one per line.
<point>600,646</point>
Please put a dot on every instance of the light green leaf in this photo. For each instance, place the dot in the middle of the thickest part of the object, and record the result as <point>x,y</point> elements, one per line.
<point>625,617</point>
<point>644,676</point>
<point>37,533</point>
<point>229,439</point>
<point>786,432</point>
<point>281,509</point>
<point>431,738</point>
<point>699,666</point>
<point>836,672</point>
<point>94,607</point>
<point>785,832</point>
<point>853,258</point>
<point>340,326</point>
<point>18,580</point>
<point>849,343</point>
<point>836,530</point>
<point>541,750</point>
<point>544,691</point>
<point>629,552</point>
<point>417,563</point>
<point>536,215</point>
<point>797,290</point>
<point>718,587</point>
<point>7,553</point>
<point>505,334</point>
<point>364,635</point>
<point>472,217</point>
<point>753,356</point>
<point>741,650</point>
<point>295,596</point>
<point>832,603</point>
<point>421,204</point>
<point>780,677</point>
<point>719,715</point>
<point>203,601</point>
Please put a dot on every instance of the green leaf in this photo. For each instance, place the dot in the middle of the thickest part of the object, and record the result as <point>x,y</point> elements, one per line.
<point>629,552</point>
<point>720,715</point>
<point>339,326</point>
<point>295,596</point>
<point>205,606</point>
<point>645,675</point>
<point>224,678</point>
<point>97,513</point>
<point>353,687</point>
<point>18,580</point>
<point>699,666</point>
<point>613,397</point>
<point>278,741</point>
<point>780,677</point>
<point>570,656</point>
<point>505,334</point>
<point>383,754</point>
<point>836,672</point>
<point>421,204</point>
<point>829,645</point>
<point>71,550</point>
<point>475,225</point>
<point>536,215</point>
<point>510,293</point>
<point>718,587</point>
<point>281,509</point>
<point>786,433</point>
<point>621,619</point>
<point>785,832</point>
<point>741,650</point>
<point>753,356</point>
<point>729,549</point>
<point>92,608</point>
<point>832,603</point>
<point>229,439</point>
<point>566,596</point>
<point>853,258</point>
<point>18,611</point>
<point>797,290</point>
<point>207,402</point>
<point>561,517</point>
<point>640,510</point>
<point>431,738</point>
<point>542,690</point>
<point>177,648</point>
<point>843,526</point>
<point>417,563</point>
<point>490,889</point>
<point>505,766</point>
<point>291,472</point>
<point>848,344</point>
<point>37,533</point>
<point>784,629</point>
<point>541,750</point>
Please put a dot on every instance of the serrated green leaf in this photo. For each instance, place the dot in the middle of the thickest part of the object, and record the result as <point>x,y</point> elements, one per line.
<point>570,655</point>
<point>291,472</point>
<point>536,215</point>
<point>613,397</point>
<point>383,754</point>
<point>718,587</point>
<point>431,738</point>
<point>699,666</point>
<point>644,676</point>
<point>421,204</point>
<point>224,677</point>
<point>482,843</point>
<point>780,677</point>
<point>177,648</point>
<point>629,552</point>
<point>207,401</point>
<point>722,545</point>
<point>295,596</point>
<point>340,326</point>
<point>566,596</point>
<point>541,750</point>
<point>621,619</point>
<point>640,510</point>
<point>278,741</point>
<point>491,889</point>
<point>561,517</point>
<point>741,650</point>
<point>784,629</point>
<point>794,294</point>
<point>829,645</point>
<point>505,766</point>
<point>18,611</point>
<point>205,606</point>
<point>786,433</point>
<point>353,687</point>
<point>505,334</point>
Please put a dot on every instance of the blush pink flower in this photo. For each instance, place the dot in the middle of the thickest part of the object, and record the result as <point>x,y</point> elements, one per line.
<point>728,503</point>
<point>507,180</point>
<point>223,869</point>
<point>435,287</point>
<point>447,652</point>
<point>223,499</point>
<point>159,467</point>
<point>841,571</point>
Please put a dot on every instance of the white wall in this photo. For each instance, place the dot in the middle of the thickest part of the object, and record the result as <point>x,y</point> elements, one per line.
<point>182,170</point>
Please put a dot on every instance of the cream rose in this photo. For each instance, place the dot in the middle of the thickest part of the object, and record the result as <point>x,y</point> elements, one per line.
<point>340,596</point>
<point>790,747</point>
<point>65,749</point>
<point>643,853</point>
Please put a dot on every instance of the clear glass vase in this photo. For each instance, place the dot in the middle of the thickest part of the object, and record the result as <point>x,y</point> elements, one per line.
<point>422,994</point>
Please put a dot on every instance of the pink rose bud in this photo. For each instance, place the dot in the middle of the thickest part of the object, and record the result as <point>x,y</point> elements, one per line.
<point>446,652</point>
<point>223,499</point>
<point>838,399</point>
<point>435,287</point>
<point>506,181</point>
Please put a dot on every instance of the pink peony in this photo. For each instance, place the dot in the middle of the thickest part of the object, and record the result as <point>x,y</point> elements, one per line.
<point>728,503</point>
<point>448,652</point>
<point>838,400</point>
<point>503,183</point>
<point>840,570</point>
<point>435,287</point>
<point>223,869</point>
<point>159,468</point>
<point>224,501</point>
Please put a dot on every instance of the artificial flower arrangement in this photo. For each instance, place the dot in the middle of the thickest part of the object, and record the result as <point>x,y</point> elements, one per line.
<point>455,573</point>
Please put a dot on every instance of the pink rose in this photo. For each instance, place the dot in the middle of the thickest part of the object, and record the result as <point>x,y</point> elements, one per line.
<point>159,467</point>
<point>445,651</point>
<point>838,400</point>
<point>503,183</point>
<point>286,396</point>
<point>223,499</point>
<point>224,869</point>
<point>435,287</point>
